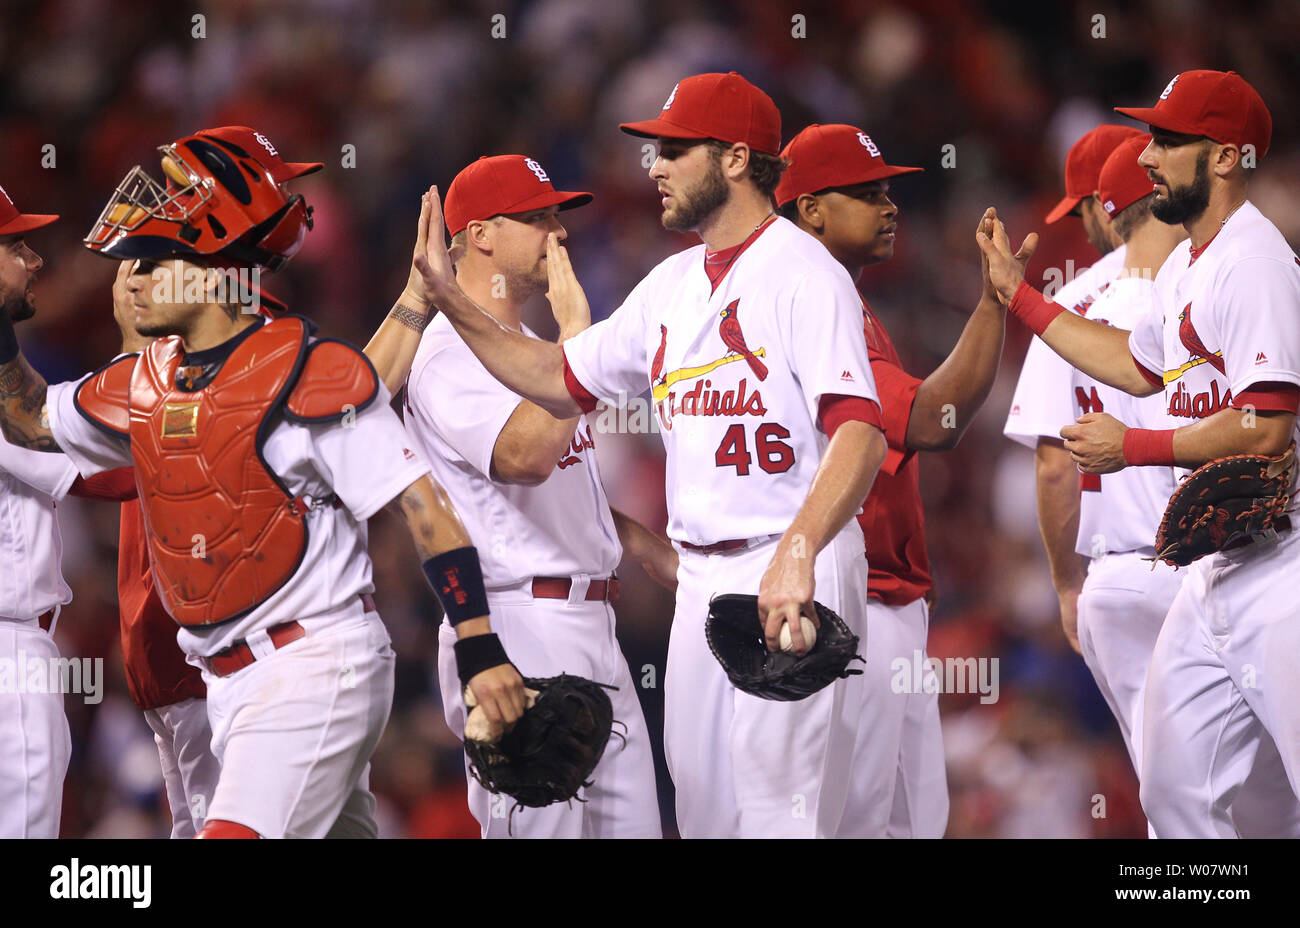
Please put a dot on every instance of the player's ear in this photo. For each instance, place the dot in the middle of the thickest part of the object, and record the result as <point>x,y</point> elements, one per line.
<point>810,213</point>
<point>1225,159</point>
<point>735,160</point>
<point>476,234</point>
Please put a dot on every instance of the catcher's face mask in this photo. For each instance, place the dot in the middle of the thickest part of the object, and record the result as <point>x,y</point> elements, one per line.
<point>212,201</point>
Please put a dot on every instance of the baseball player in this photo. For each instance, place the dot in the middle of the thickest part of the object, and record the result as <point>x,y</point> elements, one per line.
<point>1223,339</point>
<point>35,743</point>
<point>1044,400</point>
<point>167,689</point>
<point>530,488</point>
<point>259,453</point>
<point>837,189</point>
<point>751,347</point>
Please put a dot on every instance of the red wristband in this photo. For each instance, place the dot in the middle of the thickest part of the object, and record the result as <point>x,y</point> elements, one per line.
<point>1034,309</point>
<point>1149,446</point>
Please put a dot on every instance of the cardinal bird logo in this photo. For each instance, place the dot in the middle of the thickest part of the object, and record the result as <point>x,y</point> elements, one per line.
<point>734,339</point>
<point>1192,342</point>
<point>657,365</point>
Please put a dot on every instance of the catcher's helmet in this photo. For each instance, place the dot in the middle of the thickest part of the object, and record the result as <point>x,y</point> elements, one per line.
<point>223,195</point>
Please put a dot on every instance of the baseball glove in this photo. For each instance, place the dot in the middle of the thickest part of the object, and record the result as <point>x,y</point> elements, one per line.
<point>735,637</point>
<point>1222,503</point>
<point>552,749</point>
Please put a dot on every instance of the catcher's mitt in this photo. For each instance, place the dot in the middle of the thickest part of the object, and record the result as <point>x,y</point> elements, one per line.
<point>554,746</point>
<point>1222,503</point>
<point>735,637</point>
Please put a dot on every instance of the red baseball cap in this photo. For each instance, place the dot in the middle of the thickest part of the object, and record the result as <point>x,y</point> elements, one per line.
<point>1123,181</point>
<point>725,107</point>
<point>1219,105</point>
<point>831,156</point>
<point>13,222</point>
<point>1083,165</point>
<point>503,184</point>
<point>249,143</point>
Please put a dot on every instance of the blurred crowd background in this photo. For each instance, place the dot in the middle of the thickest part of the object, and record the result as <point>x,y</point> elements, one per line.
<point>415,89</point>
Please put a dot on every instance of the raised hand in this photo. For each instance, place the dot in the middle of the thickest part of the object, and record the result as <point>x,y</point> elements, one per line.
<point>1005,270</point>
<point>432,270</point>
<point>568,301</point>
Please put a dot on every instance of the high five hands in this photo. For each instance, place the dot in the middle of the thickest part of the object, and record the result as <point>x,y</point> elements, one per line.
<point>1003,269</point>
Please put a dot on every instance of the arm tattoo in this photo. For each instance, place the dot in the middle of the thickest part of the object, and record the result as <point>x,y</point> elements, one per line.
<point>22,407</point>
<point>409,317</point>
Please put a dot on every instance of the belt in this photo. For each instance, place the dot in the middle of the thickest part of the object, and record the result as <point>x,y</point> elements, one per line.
<point>46,620</point>
<point>559,587</point>
<point>731,544</point>
<point>239,655</point>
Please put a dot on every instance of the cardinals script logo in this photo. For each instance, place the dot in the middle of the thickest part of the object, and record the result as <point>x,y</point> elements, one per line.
<point>702,399</point>
<point>1183,403</point>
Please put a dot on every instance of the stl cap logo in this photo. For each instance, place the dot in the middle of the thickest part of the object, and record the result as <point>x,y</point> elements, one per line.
<point>869,145</point>
<point>1169,87</point>
<point>266,143</point>
<point>537,169</point>
<point>671,97</point>
<point>1110,206</point>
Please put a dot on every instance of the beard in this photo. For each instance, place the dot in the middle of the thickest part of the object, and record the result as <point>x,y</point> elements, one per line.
<point>699,202</point>
<point>20,308</point>
<point>160,330</point>
<point>1185,204</point>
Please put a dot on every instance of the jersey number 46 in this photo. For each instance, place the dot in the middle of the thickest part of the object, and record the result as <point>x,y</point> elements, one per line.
<point>774,455</point>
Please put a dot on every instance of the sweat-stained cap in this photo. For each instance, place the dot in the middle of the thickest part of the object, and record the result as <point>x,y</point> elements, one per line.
<point>831,156</point>
<point>725,107</point>
<point>1219,105</point>
<point>1083,165</point>
<point>248,143</point>
<point>1123,181</point>
<point>503,184</point>
<point>13,222</point>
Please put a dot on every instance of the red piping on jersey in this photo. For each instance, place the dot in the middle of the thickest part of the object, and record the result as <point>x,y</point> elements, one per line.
<point>581,395</point>
<point>1197,252</point>
<point>717,263</point>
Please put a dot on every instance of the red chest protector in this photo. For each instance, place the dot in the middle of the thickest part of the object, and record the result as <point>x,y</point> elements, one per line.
<point>224,530</point>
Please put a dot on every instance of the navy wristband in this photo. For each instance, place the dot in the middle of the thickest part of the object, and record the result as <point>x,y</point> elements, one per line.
<point>457,578</point>
<point>8,340</point>
<point>476,654</point>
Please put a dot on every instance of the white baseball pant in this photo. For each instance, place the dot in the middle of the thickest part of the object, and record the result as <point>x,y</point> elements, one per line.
<point>190,771</point>
<point>35,743</point>
<point>1224,678</point>
<point>293,731</point>
<point>750,767</point>
<point>544,638</point>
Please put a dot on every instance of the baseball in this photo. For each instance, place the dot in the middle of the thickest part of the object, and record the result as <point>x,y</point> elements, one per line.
<point>786,641</point>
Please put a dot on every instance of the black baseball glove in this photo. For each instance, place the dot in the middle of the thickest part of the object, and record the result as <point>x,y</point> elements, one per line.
<point>552,749</point>
<point>735,637</point>
<point>1221,504</point>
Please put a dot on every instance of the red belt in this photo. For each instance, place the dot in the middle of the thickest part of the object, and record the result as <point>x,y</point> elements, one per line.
<point>559,587</point>
<point>718,547</point>
<point>46,620</point>
<point>239,655</point>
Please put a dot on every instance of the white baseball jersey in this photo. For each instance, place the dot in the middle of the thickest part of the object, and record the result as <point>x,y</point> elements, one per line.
<point>1121,512</point>
<point>1044,402</point>
<point>455,411</point>
<point>1224,318</point>
<point>31,484</point>
<point>736,374</point>
<point>365,464</point>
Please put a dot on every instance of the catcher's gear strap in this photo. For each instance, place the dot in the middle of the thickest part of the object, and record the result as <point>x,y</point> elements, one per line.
<point>337,381</point>
<point>457,578</point>
<point>476,654</point>
<point>102,398</point>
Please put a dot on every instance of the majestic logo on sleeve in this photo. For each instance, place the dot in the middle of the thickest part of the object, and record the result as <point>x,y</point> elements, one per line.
<point>1183,402</point>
